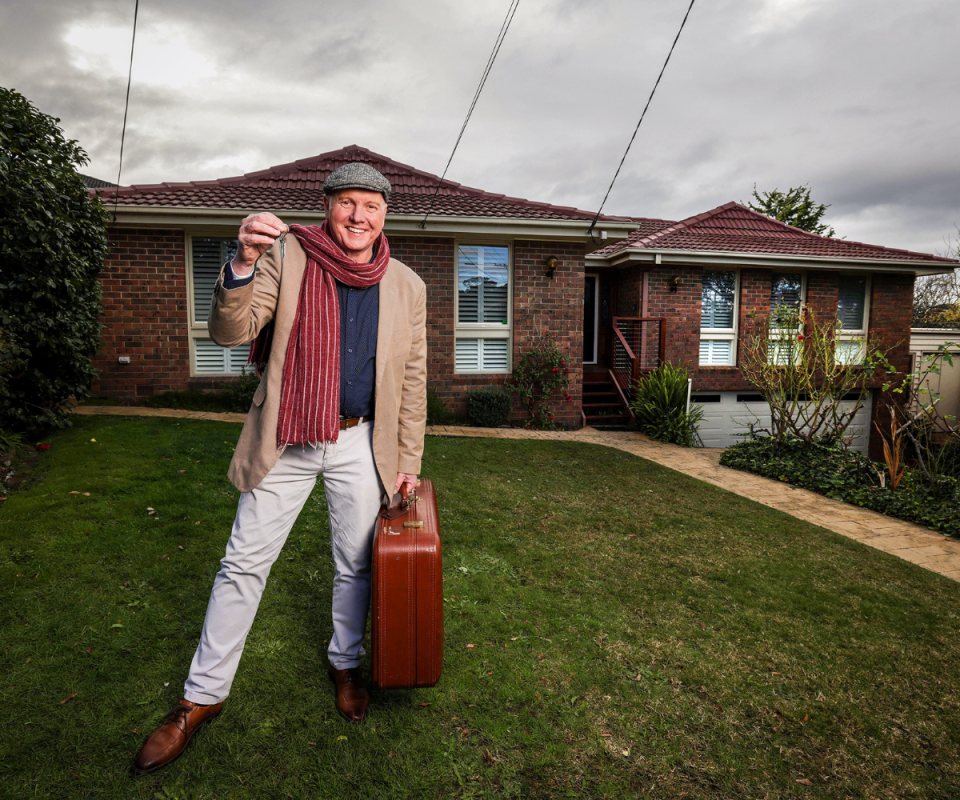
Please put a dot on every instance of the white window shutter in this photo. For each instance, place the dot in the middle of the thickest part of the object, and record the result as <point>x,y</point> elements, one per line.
<point>209,254</point>
<point>716,352</point>
<point>209,357</point>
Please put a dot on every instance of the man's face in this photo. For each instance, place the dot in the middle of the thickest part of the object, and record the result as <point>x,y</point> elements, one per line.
<point>356,219</point>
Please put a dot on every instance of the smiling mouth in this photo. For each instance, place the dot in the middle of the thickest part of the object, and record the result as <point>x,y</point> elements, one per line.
<point>356,230</point>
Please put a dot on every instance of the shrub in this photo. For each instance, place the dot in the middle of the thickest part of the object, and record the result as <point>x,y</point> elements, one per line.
<point>240,392</point>
<point>660,406</point>
<point>488,408</point>
<point>793,359</point>
<point>832,470</point>
<point>52,245</point>
<point>538,376</point>
<point>437,411</point>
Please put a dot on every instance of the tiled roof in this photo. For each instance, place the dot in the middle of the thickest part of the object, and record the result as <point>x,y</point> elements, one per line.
<point>95,183</point>
<point>733,228</point>
<point>299,186</point>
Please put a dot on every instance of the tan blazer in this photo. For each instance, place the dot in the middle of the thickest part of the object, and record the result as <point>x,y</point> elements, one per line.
<point>237,316</point>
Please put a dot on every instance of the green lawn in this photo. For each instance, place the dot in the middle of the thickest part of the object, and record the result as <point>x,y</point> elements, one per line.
<point>635,633</point>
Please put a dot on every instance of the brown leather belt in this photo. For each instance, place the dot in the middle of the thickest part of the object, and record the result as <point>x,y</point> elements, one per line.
<point>353,422</point>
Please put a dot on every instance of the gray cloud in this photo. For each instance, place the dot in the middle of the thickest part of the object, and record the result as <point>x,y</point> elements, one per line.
<point>856,98</point>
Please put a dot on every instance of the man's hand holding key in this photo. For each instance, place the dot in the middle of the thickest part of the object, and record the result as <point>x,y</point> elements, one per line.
<point>257,233</point>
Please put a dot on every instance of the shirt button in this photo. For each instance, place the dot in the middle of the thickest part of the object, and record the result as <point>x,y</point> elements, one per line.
<point>351,319</point>
<point>349,350</point>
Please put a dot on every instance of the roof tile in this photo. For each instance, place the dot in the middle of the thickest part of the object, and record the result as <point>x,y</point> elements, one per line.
<point>733,228</point>
<point>299,186</point>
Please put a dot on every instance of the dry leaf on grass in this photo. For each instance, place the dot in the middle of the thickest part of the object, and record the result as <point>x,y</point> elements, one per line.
<point>471,647</point>
<point>805,781</point>
<point>68,697</point>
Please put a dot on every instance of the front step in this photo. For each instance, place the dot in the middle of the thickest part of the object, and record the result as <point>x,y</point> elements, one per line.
<point>602,404</point>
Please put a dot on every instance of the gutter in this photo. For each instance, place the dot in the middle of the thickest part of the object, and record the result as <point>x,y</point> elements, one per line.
<point>504,227</point>
<point>647,256</point>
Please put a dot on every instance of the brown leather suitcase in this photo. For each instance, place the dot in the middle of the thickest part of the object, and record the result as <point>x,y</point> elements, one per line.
<point>407,597</point>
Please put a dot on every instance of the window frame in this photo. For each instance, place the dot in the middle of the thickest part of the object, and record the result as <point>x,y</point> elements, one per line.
<point>722,334</point>
<point>803,303</point>
<point>482,330</point>
<point>847,337</point>
<point>200,330</point>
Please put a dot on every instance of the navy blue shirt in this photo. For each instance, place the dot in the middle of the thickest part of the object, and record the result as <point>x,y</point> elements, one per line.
<point>359,319</point>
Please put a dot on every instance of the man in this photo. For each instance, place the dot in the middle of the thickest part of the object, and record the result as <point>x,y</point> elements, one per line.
<point>341,330</point>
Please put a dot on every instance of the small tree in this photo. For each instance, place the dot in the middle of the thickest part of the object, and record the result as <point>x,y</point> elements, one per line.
<point>936,298</point>
<point>794,207</point>
<point>538,377</point>
<point>792,359</point>
<point>52,245</point>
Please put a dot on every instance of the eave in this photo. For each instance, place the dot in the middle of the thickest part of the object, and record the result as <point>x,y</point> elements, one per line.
<point>649,257</point>
<point>447,226</point>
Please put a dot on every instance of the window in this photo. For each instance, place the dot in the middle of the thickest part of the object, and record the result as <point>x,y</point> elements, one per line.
<point>786,300</point>
<point>852,310</point>
<point>207,255</point>
<point>718,319</point>
<point>484,311</point>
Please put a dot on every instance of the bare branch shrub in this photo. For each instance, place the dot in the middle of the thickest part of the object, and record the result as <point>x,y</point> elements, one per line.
<point>791,357</point>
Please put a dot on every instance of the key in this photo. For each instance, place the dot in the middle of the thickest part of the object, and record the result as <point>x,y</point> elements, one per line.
<point>283,244</point>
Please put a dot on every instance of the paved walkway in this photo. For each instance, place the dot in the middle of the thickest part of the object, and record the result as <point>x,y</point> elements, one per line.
<point>910,542</point>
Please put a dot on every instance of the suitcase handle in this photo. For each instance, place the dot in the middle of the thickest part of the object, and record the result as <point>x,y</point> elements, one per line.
<point>392,512</point>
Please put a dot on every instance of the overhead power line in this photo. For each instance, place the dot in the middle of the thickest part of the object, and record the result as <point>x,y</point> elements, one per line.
<point>642,115</point>
<point>126,107</point>
<point>476,96</point>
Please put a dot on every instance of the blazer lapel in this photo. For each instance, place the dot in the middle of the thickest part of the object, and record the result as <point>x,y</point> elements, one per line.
<point>387,314</point>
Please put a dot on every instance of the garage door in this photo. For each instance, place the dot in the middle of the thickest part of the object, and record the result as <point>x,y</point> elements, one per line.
<point>727,417</point>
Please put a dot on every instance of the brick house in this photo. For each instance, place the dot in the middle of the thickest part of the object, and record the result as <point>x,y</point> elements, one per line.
<point>713,274</point>
<point>500,271</point>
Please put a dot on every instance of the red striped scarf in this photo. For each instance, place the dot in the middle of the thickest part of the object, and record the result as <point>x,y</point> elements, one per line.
<point>310,393</point>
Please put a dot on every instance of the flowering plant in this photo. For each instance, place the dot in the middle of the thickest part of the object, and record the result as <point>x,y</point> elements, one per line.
<point>540,374</point>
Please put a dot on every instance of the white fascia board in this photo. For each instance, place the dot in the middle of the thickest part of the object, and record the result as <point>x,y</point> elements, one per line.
<point>163,217</point>
<point>711,259</point>
<point>927,340</point>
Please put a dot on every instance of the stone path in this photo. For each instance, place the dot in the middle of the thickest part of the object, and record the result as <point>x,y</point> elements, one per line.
<point>910,542</point>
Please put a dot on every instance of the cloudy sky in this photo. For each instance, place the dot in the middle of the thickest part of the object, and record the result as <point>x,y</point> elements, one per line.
<point>859,99</point>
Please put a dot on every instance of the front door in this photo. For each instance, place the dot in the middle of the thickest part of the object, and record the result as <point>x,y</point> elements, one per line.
<point>590,318</point>
<point>598,301</point>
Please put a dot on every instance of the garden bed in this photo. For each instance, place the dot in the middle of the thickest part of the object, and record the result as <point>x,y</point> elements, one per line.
<point>846,475</point>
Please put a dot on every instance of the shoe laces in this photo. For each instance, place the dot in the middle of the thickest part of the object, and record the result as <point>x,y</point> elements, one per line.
<point>352,676</point>
<point>179,717</point>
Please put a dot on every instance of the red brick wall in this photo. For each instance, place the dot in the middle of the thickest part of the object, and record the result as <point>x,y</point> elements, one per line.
<point>891,312</point>
<point>145,316</point>
<point>553,305</point>
<point>890,315</point>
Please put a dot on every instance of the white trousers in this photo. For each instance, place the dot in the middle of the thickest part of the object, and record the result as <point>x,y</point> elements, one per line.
<point>264,519</point>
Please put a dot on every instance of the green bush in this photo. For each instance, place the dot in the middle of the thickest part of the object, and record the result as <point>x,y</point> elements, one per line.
<point>488,408</point>
<point>841,474</point>
<point>437,411</point>
<point>237,397</point>
<point>52,245</point>
<point>538,376</point>
<point>660,405</point>
<point>240,392</point>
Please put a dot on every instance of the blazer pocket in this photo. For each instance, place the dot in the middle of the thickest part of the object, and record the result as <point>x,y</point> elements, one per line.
<point>259,396</point>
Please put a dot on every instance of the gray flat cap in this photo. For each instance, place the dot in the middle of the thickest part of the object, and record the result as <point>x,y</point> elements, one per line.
<point>357,176</point>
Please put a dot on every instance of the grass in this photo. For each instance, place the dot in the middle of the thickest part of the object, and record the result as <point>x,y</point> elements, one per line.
<point>636,633</point>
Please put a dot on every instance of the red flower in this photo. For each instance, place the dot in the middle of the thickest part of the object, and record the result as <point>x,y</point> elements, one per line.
<point>566,372</point>
<point>42,447</point>
<point>556,369</point>
<point>800,338</point>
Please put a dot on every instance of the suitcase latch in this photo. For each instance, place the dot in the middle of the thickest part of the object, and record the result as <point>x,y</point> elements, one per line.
<point>417,523</point>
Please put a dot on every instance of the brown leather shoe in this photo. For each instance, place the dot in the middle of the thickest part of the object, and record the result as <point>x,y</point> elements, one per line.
<point>170,739</point>
<point>352,697</point>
